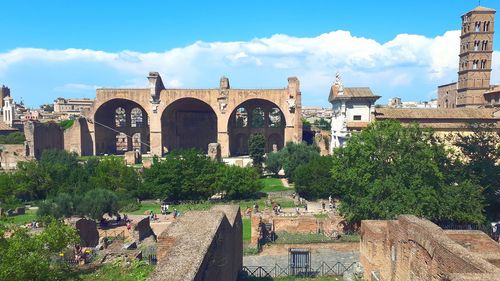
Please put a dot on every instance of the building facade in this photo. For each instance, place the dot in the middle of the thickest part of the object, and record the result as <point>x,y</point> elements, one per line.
<point>352,110</point>
<point>72,106</point>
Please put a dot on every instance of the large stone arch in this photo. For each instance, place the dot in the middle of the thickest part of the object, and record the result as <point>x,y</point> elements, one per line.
<point>112,137</point>
<point>188,123</point>
<point>259,119</point>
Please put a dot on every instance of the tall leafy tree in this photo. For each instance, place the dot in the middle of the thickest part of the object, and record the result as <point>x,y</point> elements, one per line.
<point>313,179</point>
<point>296,154</point>
<point>480,151</point>
<point>256,149</point>
<point>388,169</point>
<point>183,175</point>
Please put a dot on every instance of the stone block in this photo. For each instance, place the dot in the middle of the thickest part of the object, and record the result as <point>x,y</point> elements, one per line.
<point>132,157</point>
<point>214,151</point>
<point>147,163</point>
<point>130,246</point>
<point>87,230</point>
<point>20,211</point>
<point>144,229</point>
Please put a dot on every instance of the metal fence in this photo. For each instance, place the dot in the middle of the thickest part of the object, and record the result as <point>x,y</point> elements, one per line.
<point>324,269</point>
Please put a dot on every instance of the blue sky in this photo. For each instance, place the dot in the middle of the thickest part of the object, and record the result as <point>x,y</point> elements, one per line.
<point>69,48</point>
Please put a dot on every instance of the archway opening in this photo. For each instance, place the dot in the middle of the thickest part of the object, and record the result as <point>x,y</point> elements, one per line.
<point>121,125</point>
<point>188,123</point>
<point>256,116</point>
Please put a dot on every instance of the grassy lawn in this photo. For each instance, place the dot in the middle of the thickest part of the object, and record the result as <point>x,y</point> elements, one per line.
<point>272,185</point>
<point>155,207</point>
<point>247,229</point>
<point>309,238</point>
<point>28,217</point>
<point>136,271</point>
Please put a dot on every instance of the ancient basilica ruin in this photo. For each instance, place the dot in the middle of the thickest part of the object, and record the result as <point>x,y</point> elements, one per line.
<point>156,120</point>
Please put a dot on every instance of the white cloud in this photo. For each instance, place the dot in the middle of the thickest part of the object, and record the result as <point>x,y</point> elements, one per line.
<point>76,87</point>
<point>391,68</point>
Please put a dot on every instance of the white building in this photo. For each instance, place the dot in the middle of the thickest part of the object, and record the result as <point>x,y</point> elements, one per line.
<point>9,110</point>
<point>74,106</point>
<point>353,109</point>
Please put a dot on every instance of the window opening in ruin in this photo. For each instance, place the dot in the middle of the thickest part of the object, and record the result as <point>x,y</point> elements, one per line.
<point>258,118</point>
<point>136,142</point>
<point>120,117</point>
<point>241,117</point>
<point>121,142</point>
<point>275,118</point>
<point>136,118</point>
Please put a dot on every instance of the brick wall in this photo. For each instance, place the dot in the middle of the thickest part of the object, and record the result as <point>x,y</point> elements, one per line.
<point>42,136</point>
<point>201,246</point>
<point>10,154</point>
<point>415,249</point>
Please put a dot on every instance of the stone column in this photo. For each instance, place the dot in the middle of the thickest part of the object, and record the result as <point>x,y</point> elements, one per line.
<point>223,140</point>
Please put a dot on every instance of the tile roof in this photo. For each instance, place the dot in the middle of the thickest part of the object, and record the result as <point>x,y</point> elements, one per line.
<point>483,9</point>
<point>436,113</point>
<point>353,92</point>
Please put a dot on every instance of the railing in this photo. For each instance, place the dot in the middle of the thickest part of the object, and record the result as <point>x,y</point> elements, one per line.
<point>324,269</point>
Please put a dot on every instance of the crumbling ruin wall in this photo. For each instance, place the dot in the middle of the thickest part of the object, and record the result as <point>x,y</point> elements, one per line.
<point>10,154</point>
<point>416,249</point>
<point>42,136</point>
<point>77,138</point>
<point>201,246</point>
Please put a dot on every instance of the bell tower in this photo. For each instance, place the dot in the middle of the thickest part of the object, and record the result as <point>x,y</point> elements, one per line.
<point>476,48</point>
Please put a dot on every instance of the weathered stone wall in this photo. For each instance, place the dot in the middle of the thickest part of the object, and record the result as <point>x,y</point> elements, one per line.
<point>77,138</point>
<point>201,246</point>
<point>42,136</point>
<point>10,154</point>
<point>415,249</point>
<point>301,224</point>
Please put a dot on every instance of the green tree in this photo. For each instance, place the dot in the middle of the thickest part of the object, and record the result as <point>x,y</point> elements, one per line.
<point>296,154</point>
<point>256,149</point>
<point>111,173</point>
<point>13,138</point>
<point>481,150</point>
<point>313,179</point>
<point>273,162</point>
<point>63,205</point>
<point>24,256</point>
<point>183,175</point>
<point>323,124</point>
<point>387,170</point>
<point>97,202</point>
<point>237,182</point>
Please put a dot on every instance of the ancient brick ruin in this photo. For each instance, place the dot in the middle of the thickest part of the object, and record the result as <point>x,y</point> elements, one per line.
<point>410,248</point>
<point>201,245</point>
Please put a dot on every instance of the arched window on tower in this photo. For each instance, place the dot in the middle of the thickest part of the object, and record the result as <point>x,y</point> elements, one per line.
<point>474,64</point>
<point>477,27</point>
<point>476,45</point>
<point>241,117</point>
<point>120,117</point>
<point>136,118</point>
<point>483,64</point>
<point>484,46</point>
